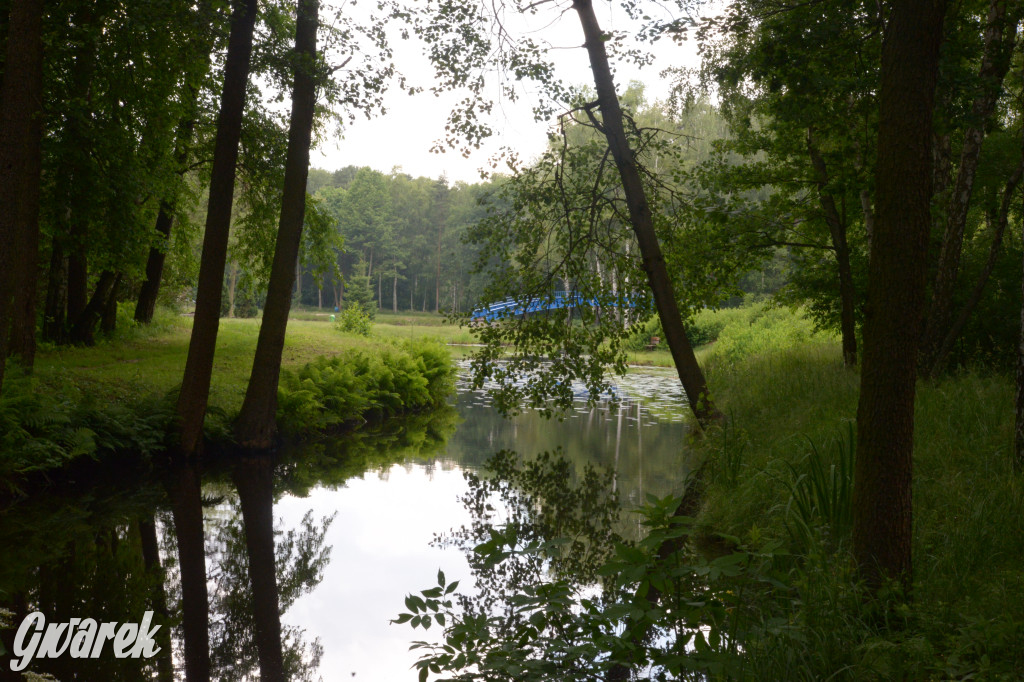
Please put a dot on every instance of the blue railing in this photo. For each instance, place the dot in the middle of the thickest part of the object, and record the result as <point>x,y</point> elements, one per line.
<point>512,307</point>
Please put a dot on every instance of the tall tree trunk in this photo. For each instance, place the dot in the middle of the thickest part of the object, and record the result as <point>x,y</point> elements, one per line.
<point>257,424</point>
<point>394,294</point>
<point>151,560</point>
<point>837,233</point>
<point>84,329</point>
<point>195,385</point>
<point>78,274</point>
<point>232,287</point>
<point>21,102</point>
<point>882,518</point>
<point>1000,222</point>
<point>690,374</point>
<point>254,477</point>
<point>55,308</point>
<point>145,306</point>
<point>195,73</point>
<point>1000,36</point>
<point>437,277</point>
<point>185,492</point>
<point>1018,424</point>
<point>108,323</point>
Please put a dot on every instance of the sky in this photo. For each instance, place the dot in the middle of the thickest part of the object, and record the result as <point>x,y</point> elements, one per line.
<point>404,135</point>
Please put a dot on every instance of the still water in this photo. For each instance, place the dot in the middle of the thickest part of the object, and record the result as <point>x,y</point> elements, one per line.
<point>353,523</point>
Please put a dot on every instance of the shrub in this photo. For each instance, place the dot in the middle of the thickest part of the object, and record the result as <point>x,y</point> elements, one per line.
<point>353,320</point>
<point>359,384</point>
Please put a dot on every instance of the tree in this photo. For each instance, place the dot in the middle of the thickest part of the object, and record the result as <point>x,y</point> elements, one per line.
<point>197,68</point>
<point>882,511</point>
<point>256,426</point>
<point>1000,36</point>
<point>690,374</point>
<point>20,159</point>
<point>461,62</point>
<point>195,386</point>
<point>798,90</point>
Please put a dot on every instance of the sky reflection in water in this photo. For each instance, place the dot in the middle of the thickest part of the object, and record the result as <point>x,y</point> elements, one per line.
<point>386,519</point>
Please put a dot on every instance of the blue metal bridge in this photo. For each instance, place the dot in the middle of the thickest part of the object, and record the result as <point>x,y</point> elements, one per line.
<point>512,307</point>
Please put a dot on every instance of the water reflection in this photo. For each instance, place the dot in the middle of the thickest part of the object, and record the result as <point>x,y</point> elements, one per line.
<point>291,569</point>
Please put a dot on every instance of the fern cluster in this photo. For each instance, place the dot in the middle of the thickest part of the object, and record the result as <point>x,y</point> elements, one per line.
<point>40,431</point>
<point>362,384</point>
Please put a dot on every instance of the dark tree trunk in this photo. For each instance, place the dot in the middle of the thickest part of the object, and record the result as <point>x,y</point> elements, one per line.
<point>882,519</point>
<point>690,374</point>
<point>108,323</point>
<point>145,306</point>
<point>151,560</point>
<point>437,277</point>
<point>55,309</point>
<point>187,506</point>
<point>257,424</point>
<point>78,275</point>
<point>195,385</point>
<point>837,233</point>
<point>146,303</point>
<point>254,477</point>
<point>20,162</point>
<point>84,329</point>
<point>1000,36</point>
<point>1018,424</point>
<point>1000,221</point>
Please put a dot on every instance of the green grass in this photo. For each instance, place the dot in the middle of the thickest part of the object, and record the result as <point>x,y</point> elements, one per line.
<point>799,402</point>
<point>152,359</point>
<point>111,398</point>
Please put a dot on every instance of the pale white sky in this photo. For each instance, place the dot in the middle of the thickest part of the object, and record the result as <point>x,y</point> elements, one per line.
<point>403,137</point>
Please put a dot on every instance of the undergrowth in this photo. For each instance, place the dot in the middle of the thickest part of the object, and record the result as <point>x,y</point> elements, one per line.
<point>781,472</point>
<point>45,425</point>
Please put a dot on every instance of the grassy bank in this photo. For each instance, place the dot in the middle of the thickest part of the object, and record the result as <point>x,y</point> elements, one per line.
<point>779,474</point>
<point>117,396</point>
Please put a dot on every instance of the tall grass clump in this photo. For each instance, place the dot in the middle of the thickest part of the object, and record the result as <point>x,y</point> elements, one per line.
<point>780,472</point>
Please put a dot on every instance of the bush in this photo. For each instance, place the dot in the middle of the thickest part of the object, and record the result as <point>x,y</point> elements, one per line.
<point>353,320</point>
<point>359,294</point>
<point>328,392</point>
<point>40,431</point>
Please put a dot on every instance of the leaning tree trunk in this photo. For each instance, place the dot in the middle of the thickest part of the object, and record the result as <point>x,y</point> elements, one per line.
<point>195,385</point>
<point>146,303</point>
<point>83,331</point>
<point>882,515</point>
<point>841,248</point>
<point>1000,37</point>
<point>254,478</point>
<point>1001,221</point>
<point>20,162</point>
<point>257,424</point>
<point>689,370</point>
<point>108,322</point>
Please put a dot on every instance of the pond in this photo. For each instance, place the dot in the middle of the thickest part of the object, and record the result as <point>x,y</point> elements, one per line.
<point>353,522</point>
